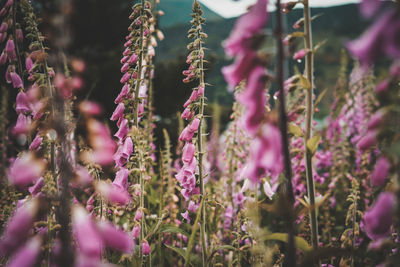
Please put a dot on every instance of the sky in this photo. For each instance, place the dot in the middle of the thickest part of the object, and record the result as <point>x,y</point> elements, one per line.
<point>230,8</point>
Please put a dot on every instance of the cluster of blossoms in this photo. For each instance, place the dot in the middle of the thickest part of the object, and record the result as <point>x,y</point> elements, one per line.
<point>186,175</point>
<point>266,149</point>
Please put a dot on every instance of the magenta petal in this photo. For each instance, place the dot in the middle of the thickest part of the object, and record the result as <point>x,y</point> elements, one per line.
<point>22,103</point>
<point>380,172</point>
<point>115,238</point>
<point>28,255</point>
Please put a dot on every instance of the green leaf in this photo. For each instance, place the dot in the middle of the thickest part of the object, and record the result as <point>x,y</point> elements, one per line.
<point>180,251</point>
<point>173,229</point>
<point>300,242</point>
<point>295,130</point>
<point>321,95</point>
<point>312,143</point>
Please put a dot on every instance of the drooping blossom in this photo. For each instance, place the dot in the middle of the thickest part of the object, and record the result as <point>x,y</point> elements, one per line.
<point>18,227</point>
<point>25,170</point>
<point>379,219</point>
<point>23,124</point>
<point>145,248</point>
<point>245,28</point>
<point>265,154</point>
<point>89,240</point>
<point>380,172</point>
<point>112,193</point>
<point>37,187</point>
<point>28,255</point>
<point>379,40</point>
<point>22,103</point>
<point>115,238</point>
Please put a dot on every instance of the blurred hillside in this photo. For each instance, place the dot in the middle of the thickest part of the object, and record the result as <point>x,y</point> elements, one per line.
<point>99,28</point>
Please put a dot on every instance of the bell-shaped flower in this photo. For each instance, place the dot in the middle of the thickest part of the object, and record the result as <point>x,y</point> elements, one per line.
<point>245,27</point>
<point>145,248</point>
<point>25,170</point>
<point>114,238</point>
<point>379,219</point>
<point>22,103</point>
<point>112,193</point>
<point>240,69</point>
<point>16,80</point>
<point>188,152</point>
<point>121,178</point>
<point>18,227</point>
<point>118,112</point>
<point>37,187</point>
<point>380,172</point>
<point>89,240</point>
<point>28,255</point>
<point>123,130</point>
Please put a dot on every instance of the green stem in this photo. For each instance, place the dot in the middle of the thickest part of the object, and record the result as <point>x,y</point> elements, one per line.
<point>309,117</point>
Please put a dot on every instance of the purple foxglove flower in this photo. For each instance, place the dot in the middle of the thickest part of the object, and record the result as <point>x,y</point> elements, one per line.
<point>300,54</point>
<point>3,12</point>
<point>136,231</point>
<point>113,194</point>
<point>367,141</point>
<point>18,227</point>
<point>238,199</point>
<point>122,155</point>
<point>187,114</point>
<point>3,27</point>
<point>265,154</point>
<point>125,78</point>
<point>114,238</point>
<point>121,178</point>
<point>89,240</point>
<point>240,69</point>
<point>188,152</point>
<point>193,96</point>
<point>3,58</point>
<point>25,170</point>
<point>379,40</point>
<point>376,119</point>
<point>186,134</point>
<point>125,67</point>
<point>133,59</point>
<point>28,63</point>
<point>22,105</point>
<point>124,92</point>
<point>16,80</point>
<point>193,207</point>
<point>378,220</point>
<point>245,27</point>
<point>380,172</point>
<point>369,7</point>
<point>118,112</point>
<point>23,124</point>
<point>28,255</point>
<point>138,215</point>
<point>194,125</point>
<point>145,248</point>
<point>254,100</point>
<point>37,187</point>
<point>10,49</point>
<point>90,108</point>
<point>9,3</point>
<point>200,91</point>
<point>123,130</point>
<point>186,216</point>
<point>19,35</point>
<point>82,176</point>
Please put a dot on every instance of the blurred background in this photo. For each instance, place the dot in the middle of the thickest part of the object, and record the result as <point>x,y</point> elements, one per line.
<point>98,29</point>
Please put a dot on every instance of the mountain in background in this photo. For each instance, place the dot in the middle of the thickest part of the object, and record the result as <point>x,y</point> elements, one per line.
<point>178,11</point>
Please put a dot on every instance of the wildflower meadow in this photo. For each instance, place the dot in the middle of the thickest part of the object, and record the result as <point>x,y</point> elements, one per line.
<point>239,153</point>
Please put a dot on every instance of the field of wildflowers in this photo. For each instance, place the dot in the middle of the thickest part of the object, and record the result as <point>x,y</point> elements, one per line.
<point>273,187</point>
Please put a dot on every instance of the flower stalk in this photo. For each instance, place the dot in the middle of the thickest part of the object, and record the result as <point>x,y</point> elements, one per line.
<point>309,70</point>
<point>291,249</point>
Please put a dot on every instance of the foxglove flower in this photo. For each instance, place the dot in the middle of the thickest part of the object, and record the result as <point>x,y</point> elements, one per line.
<point>23,124</point>
<point>28,255</point>
<point>188,153</point>
<point>251,23</point>
<point>22,103</point>
<point>240,69</point>
<point>115,238</point>
<point>121,178</point>
<point>25,170</point>
<point>378,220</point>
<point>380,172</point>
<point>16,80</point>
<point>145,248</point>
<point>37,187</point>
<point>19,226</point>
<point>89,240</point>
<point>112,193</point>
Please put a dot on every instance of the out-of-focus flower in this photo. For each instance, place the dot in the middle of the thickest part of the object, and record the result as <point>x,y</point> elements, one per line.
<point>19,226</point>
<point>145,248</point>
<point>28,255</point>
<point>115,238</point>
<point>378,220</point>
<point>300,54</point>
<point>245,28</point>
<point>112,193</point>
<point>380,172</point>
<point>25,170</point>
